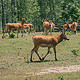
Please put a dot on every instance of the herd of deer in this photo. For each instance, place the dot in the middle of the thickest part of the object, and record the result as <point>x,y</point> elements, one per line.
<point>43,41</point>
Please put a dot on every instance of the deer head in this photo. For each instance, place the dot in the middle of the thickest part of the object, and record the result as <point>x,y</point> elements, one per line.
<point>24,20</point>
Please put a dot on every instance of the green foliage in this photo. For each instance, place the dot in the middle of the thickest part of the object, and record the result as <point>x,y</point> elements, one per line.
<point>70,11</point>
<point>33,31</point>
<point>50,51</point>
<point>69,33</point>
<point>12,35</point>
<point>33,10</point>
<point>15,31</point>
<point>26,61</point>
<point>5,35</point>
<point>0,32</point>
<point>61,78</point>
<point>75,52</point>
<point>47,32</point>
<point>24,31</point>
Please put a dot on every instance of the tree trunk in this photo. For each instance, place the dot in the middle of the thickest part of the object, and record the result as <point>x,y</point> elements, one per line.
<point>2,18</point>
<point>12,9</point>
<point>54,11</point>
<point>50,10</point>
<point>7,12</point>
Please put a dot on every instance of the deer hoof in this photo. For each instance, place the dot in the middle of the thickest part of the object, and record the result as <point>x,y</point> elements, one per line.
<point>56,59</point>
<point>31,60</point>
<point>42,59</point>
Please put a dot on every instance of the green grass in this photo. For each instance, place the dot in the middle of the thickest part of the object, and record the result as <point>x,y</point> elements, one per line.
<point>15,51</point>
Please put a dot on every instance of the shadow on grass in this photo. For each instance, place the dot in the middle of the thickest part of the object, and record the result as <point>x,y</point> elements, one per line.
<point>44,61</point>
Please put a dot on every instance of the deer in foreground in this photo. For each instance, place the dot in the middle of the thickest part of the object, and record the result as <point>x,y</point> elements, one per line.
<point>47,41</point>
<point>18,26</point>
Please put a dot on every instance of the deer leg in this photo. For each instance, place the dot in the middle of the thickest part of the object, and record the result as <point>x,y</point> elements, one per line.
<point>22,32</point>
<point>45,31</point>
<point>31,54</point>
<point>9,30</point>
<point>32,51</point>
<point>38,54</point>
<point>51,31</point>
<point>47,53</point>
<point>17,32</point>
<point>28,31</point>
<point>55,53</point>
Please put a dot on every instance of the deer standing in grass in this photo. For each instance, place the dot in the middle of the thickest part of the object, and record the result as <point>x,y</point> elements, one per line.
<point>71,27</point>
<point>18,26</point>
<point>46,26</point>
<point>74,26</point>
<point>28,27</point>
<point>47,41</point>
<point>67,26</point>
<point>52,25</point>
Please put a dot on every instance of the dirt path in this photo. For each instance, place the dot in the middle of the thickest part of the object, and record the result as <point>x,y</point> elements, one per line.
<point>74,68</point>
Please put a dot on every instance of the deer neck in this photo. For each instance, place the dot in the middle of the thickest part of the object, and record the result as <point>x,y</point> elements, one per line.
<point>22,22</point>
<point>59,38</point>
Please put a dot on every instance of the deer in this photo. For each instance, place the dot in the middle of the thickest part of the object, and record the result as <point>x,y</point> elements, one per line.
<point>47,41</point>
<point>52,25</point>
<point>74,26</point>
<point>18,26</point>
<point>28,27</point>
<point>67,26</point>
<point>46,25</point>
<point>71,27</point>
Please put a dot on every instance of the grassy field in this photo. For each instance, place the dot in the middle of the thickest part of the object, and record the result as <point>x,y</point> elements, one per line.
<point>15,55</point>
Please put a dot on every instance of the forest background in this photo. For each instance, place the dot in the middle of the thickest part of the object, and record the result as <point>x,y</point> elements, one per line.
<point>59,11</point>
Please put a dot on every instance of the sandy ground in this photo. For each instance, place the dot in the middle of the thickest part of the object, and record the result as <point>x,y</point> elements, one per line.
<point>74,68</point>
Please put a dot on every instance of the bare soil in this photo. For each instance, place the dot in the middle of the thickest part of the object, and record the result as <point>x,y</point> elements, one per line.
<point>73,68</point>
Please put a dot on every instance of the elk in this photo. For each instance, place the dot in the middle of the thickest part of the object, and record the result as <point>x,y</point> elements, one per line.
<point>74,26</point>
<point>71,27</point>
<point>28,27</point>
<point>18,26</point>
<point>67,26</point>
<point>52,25</point>
<point>46,26</point>
<point>47,41</point>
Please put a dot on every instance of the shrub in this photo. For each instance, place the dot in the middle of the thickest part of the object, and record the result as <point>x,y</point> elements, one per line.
<point>24,31</point>
<point>0,32</point>
<point>5,36</point>
<point>61,78</point>
<point>69,33</point>
<point>15,31</point>
<point>34,31</point>
<point>50,51</point>
<point>74,51</point>
<point>12,35</point>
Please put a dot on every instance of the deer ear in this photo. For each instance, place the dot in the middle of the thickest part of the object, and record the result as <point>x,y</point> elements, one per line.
<point>23,18</point>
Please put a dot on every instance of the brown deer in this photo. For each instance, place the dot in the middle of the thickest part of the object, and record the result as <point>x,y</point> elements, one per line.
<point>67,26</point>
<point>47,41</point>
<point>18,26</point>
<point>70,27</point>
<point>46,26</point>
<point>52,25</point>
<point>28,27</point>
<point>74,26</point>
